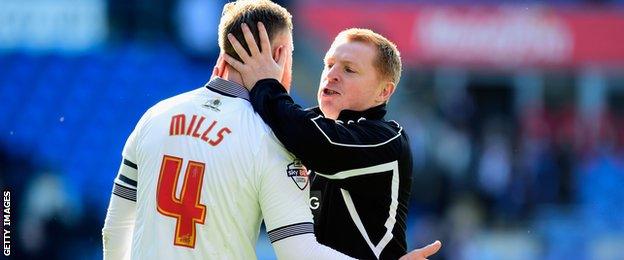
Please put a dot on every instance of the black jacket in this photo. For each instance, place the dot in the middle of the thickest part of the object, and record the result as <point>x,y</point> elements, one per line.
<point>360,168</point>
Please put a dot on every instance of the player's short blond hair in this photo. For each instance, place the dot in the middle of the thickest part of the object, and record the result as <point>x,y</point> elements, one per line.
<point>388,62</point>
<point>274,17</point>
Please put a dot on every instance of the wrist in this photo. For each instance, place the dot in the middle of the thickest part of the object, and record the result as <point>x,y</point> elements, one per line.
<point>269,83</point>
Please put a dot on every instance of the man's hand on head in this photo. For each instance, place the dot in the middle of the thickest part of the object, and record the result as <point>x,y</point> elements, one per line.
<point>260,64</point>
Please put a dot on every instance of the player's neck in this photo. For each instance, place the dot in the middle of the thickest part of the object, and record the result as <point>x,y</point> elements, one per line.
<point>232,75</point>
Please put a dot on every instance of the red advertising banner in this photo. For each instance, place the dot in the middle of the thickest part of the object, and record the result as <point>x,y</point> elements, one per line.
<point>508,36</point>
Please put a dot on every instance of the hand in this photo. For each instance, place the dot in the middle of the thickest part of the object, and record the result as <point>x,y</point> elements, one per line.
<point>260,64</point>
<point>423,253</point>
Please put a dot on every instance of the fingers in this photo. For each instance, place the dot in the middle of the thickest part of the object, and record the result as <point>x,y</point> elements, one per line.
<point>249,38</point>
<point>265,43</point>
<point>237,65</point>
<point>423,253</point>
<point>242,53</point>
<point>431,248</point>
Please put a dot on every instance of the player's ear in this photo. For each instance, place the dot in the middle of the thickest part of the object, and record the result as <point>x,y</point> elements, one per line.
<point>277,52</point>
<point>219,68</point>
<point>387,89</point>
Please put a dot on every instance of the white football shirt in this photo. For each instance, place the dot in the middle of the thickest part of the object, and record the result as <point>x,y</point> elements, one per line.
<point>206,170</point>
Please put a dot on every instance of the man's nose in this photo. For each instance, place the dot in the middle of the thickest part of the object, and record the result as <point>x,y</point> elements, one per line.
<point>332,74</point>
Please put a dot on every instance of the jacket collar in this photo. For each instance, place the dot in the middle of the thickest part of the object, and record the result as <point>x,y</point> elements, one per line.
<point>228,88</point>
<point>374,113</point>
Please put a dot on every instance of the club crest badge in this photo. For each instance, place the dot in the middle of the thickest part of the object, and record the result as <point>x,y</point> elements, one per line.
<point>213,104</point>
<point>298,173</point>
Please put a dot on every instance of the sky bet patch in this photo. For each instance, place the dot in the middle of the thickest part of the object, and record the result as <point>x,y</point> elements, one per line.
<point>298,173</point>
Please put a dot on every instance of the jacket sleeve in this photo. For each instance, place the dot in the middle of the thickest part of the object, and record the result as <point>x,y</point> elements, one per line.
<point>323,144</point>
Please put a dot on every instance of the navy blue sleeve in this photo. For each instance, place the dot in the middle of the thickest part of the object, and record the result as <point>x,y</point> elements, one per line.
<point>322,144</point>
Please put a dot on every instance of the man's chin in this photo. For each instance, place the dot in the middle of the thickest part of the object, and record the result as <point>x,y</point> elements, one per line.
<point>327,111</point>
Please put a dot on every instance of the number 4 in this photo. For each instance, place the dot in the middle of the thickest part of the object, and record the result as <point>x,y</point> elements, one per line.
<point>187,210</point>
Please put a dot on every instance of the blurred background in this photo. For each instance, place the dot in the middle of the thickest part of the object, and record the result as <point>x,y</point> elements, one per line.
<point>515,110</point>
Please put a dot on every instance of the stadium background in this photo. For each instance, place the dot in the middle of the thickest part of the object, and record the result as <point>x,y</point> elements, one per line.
<point>515,111</point>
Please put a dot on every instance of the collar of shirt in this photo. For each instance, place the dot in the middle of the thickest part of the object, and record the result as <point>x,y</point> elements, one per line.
<point>227,88</point>
<point>373,113</point>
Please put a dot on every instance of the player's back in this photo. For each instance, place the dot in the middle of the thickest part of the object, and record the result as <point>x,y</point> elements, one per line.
<point>197,185</point>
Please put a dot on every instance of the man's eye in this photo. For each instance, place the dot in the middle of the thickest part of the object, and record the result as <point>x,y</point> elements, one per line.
<point>349,70</point>
<point>329,65</point>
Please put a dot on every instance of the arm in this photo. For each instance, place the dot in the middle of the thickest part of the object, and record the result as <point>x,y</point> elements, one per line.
<point>285,207</point>
<point>305,247</point>
<point>319,141</point>
<point>121,213</point>
<point>119,222</point>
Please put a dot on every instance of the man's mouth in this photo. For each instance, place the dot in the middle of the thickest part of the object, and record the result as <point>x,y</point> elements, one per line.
<point>330,92</point>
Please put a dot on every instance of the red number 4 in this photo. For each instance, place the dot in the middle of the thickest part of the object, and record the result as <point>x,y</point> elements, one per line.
<point>187,210</point>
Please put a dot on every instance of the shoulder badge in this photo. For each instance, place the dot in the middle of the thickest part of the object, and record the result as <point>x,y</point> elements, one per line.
<point>298,173</point>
